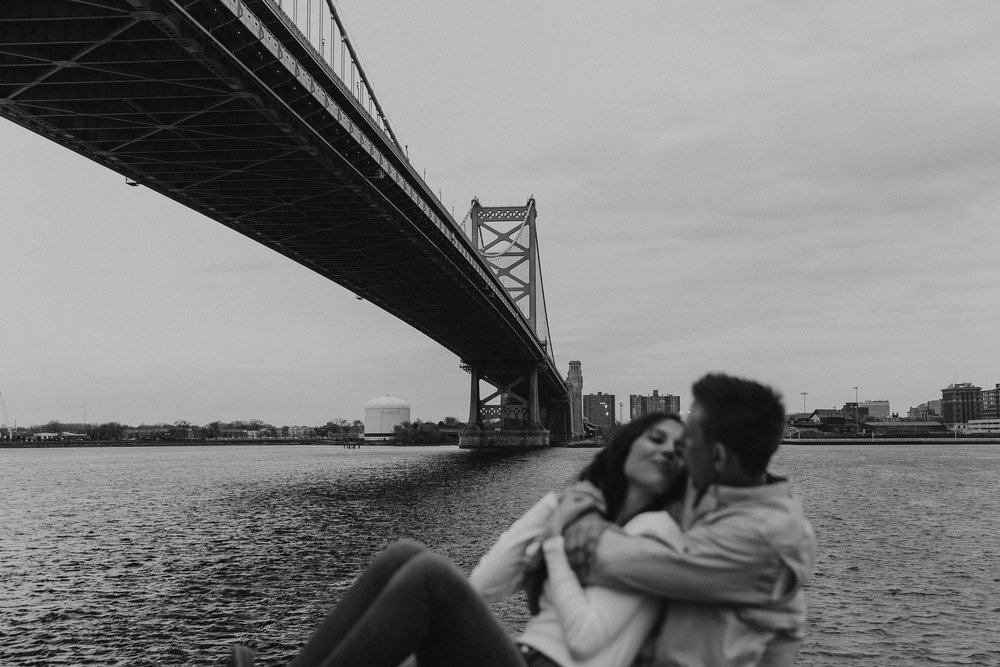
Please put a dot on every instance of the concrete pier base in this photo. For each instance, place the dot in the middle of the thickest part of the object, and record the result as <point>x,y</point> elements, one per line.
<point>475,438</point>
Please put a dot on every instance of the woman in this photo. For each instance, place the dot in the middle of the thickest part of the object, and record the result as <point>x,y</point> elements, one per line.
<point>412,601</point>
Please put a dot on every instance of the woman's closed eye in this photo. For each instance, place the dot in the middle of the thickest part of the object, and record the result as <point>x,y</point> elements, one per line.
<point>657,436</point>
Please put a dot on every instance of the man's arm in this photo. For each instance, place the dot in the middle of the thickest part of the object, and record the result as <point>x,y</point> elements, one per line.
<point>722,562</point>
<point>581,538</point>
<point>581,507</point>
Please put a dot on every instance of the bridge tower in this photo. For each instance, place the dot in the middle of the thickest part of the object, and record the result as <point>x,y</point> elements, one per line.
<point>574,381</point>
<point>512,415</point>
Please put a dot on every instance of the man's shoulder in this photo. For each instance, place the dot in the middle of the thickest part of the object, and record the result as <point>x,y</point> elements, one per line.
<point>773,515</point>
<point>767,524</point>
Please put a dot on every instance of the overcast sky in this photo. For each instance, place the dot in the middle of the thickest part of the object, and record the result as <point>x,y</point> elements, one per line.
<point>803,193</point>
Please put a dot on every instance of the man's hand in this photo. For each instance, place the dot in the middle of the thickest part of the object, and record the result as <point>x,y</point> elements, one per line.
<point>570,508</point>
<point>581,538</point>
<point>586,490</point>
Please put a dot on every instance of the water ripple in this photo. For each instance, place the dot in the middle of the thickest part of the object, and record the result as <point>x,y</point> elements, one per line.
<point>164,556</point>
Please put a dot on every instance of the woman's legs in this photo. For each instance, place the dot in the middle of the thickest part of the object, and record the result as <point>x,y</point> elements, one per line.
<point>355,603</point>
<point>427,607</point>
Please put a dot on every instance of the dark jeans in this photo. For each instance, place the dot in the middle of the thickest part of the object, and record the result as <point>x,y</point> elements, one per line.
<point>410,601</point>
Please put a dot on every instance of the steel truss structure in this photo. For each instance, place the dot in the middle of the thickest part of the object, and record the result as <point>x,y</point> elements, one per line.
<point>236,110</point>
<point>506,237</point>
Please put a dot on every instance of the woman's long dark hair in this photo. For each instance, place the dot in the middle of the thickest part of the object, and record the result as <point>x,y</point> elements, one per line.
<point>607,470</point>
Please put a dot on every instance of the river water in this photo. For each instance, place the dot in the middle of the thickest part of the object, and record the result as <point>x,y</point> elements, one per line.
<point>166,555</point>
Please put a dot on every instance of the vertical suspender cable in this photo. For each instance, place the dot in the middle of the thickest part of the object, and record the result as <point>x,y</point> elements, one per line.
<point>383,120</point>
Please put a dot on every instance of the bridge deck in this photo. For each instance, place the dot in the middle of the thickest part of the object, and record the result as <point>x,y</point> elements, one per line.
<point>239,119</point>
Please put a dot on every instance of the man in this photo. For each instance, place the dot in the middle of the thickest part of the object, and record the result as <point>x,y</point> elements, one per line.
<point>733,580</point>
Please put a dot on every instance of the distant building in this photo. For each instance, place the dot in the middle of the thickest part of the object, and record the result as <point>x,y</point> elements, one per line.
<point>384,414</point>
<point>599,410</point>
<point>876,409</point>
<point>961,402</point>
<point>575,381</point>
<point>991,403</point>
<point>903,428</point>
<point>824,416</point>
<point>239,434</point>
<point>294,432</point>
<point>925,411</point>
<point>981,427</point>
<point>854,412</point>
<point>640,405</point>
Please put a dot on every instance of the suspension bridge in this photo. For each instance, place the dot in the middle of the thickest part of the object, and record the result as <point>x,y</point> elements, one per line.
<point>259,115</point>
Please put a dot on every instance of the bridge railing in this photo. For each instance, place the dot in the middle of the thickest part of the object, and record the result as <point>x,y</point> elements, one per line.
<point>320,24</point>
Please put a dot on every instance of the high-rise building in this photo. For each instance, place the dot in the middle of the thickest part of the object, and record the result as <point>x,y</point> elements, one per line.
<point>643,405</point>
<point>575,381</point>
<point>878,410</point>
<point>599,410</point>
<point>991,403</point>
<point>929,411</point>
<point>961,402</point>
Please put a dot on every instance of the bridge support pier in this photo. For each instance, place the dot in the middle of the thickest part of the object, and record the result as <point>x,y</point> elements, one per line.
<point>560,416</point>
<point>475,438</point>
<point>507,418</point>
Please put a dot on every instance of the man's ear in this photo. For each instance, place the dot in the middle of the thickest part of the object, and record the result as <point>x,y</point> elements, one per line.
<point>720,457</point>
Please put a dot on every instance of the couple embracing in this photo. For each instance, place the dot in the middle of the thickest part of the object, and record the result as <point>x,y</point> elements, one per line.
<point>677,548</point>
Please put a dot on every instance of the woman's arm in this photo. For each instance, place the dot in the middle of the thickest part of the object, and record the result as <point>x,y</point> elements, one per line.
<point>589,622</point>
<point>500,570</point>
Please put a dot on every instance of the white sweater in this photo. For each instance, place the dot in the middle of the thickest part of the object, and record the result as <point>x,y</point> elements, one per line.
<point>576,626</point>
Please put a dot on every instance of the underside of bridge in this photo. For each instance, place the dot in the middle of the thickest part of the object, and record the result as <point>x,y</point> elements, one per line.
<point>224,107</point>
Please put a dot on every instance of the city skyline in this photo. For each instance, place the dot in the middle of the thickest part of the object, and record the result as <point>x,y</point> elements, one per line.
<point>804,196</point>
<point>621,401</point>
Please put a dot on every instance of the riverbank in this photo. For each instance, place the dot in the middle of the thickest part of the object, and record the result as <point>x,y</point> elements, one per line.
<point>582,443</point>
<point>352,444</point>
<point>891,441</point>
<point>53,444</point>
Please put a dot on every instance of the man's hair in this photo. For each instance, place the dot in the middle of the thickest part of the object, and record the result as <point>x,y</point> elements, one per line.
<point>747,417</point>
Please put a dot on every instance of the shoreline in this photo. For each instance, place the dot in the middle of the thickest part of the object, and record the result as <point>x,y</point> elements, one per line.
<point>891,441</point>
<point>125,444</point>
<point>19,444</point>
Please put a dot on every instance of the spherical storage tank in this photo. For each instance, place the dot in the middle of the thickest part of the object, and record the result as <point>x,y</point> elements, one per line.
<point>382,414</point>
